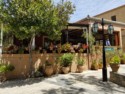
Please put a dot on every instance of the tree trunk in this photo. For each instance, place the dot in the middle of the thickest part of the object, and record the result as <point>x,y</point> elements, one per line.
<point>30,57</point>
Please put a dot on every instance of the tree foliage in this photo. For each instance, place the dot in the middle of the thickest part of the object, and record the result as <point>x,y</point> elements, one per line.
<point>25,18</point>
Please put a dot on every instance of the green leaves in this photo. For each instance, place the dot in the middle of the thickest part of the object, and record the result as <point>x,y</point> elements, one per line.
<point>66,59</point>
<point>115,60</point>
<point>6,67</point>
<point>28,17</point>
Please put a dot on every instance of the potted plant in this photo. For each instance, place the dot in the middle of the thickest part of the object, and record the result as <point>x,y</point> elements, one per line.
<point>81,50</point>
<point>66,47</point>
<point>48,68</point>
<point>109,55</point>
<point>66,60</point>
<point>57,65</point>
<point>4,68</point>
<point>114,63</point>
<point>94,65</point>
<point>59,48</point>
<point>100,64</point>
<point>80,63</point>
<point>123,59</point>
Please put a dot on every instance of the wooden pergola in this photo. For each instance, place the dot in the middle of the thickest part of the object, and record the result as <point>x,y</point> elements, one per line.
<point>74,31</point>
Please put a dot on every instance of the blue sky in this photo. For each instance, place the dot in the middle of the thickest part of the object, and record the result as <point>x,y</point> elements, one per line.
<point>92,7</point>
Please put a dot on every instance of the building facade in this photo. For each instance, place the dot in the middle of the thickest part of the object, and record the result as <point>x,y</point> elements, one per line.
<point>116,14</point>
<point>116,39</point>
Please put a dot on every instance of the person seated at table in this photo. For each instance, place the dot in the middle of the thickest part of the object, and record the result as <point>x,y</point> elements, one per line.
<point>26,50</point>
<point>40,50</point>
<point>10,49</point>
<point>51,48</point>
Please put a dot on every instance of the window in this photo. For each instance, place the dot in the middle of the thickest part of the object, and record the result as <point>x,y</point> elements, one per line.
<point>113,18</point>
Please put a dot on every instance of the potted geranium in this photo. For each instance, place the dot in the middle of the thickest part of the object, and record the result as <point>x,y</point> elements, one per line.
<point>66,47</point>
<point>66,60</point>
<point>114,63</point>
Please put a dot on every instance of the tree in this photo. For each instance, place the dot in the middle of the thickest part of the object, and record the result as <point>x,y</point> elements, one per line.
<point>28,18</point>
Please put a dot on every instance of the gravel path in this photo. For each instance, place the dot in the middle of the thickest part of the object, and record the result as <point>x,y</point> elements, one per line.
<point>88,82</point>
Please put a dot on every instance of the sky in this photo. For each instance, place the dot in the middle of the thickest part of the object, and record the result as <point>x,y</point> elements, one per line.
<point>92,7</point>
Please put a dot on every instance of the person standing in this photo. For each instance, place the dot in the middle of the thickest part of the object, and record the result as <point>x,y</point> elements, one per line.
<point>108,42</point>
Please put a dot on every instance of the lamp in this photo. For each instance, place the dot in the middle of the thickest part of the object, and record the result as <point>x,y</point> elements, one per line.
<point>110,31</point>
<point>95,27</point>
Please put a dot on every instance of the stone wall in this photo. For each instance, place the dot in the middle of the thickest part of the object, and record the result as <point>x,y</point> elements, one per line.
<point>22,64</point>
<point>117,78</point>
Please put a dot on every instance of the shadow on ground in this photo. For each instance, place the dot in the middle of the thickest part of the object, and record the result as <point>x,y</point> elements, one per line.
<point>71,90</point>
<point>92,81</point>
<point>101,86</point>
<point>21,82</point>
<point>73,84</point>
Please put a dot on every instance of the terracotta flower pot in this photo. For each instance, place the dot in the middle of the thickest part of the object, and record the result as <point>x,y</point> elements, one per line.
<point>94,67</point>
<point>56,69</point>
<point>65,70</point>
<point>80,68</point>
<point>114,67</point>
<point>48,70</point>
<point>100,65</point>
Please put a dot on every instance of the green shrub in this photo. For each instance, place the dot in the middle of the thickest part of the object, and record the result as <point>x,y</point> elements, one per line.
<point>123,56</point>
<point>66,47</point>
<point>66,59</point>
<point>115,59</point>
<point>80,61</point>
<point>6,67</point>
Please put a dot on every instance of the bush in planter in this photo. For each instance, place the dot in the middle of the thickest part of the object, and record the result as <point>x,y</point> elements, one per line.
<point>114,63</point>
<point>115,60</point>
<point>109,55</point>
<point>66,60</point>
<point>94,65</point>
<point>57,65</point>
<point>4,68</point>
<point>123,58</point>
<point>100,64</point>
<point>48,68</point>
<point>80,63</point>
<point>66,47</point>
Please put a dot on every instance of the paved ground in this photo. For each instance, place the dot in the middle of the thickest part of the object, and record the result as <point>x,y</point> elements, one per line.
<point>88,82</point>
